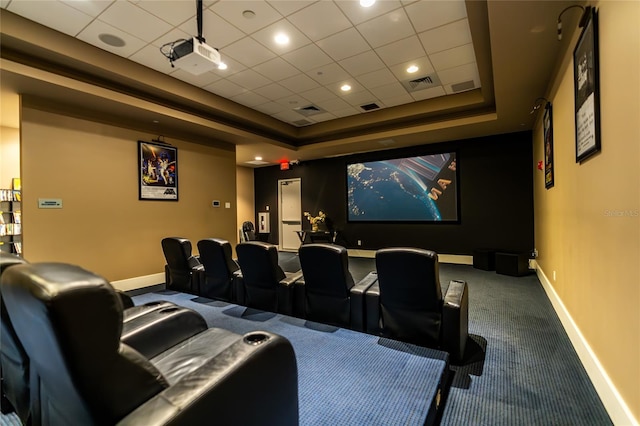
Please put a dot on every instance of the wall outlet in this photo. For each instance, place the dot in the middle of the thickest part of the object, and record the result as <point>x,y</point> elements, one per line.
<point>359,242</point>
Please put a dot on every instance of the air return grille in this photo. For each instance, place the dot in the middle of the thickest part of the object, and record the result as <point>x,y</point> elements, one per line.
<point>309,110</point>
<point>421,83</point>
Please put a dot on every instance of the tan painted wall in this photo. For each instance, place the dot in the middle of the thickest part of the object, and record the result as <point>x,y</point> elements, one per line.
<point>103,226</point>
<point>245,195</point>
<point>587,227</point>
<point>9,155</point>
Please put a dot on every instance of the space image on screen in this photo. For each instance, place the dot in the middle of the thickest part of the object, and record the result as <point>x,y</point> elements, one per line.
<point>411,189</point>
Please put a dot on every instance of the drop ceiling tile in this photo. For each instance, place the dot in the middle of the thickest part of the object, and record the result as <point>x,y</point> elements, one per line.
<point>336,87</point>
<point>446,37</point>
<point>4,3</point>
<point>135,21</point>
<point>225,88</point>
<point>201,80</point>
<point>173,12</point>
<point>267,35</point>
<point>425,15</point>
<point>423,64</point>
<point>172,36</point>
<point>318,94</point>
<point>344,44</point>
<point>288,116</point>
<point>377,78</point>
<point>307,58</point>
<point>453,57</point>
<point>56,15</point>
<point>320,20</point>
<point>362,63</point>
<point>248,52</point>
<point>216,31</point>
<point>360,98</point>
<point>293,101</point>
<point>277,69</point>
<point>401,51</point>
<point>387,28</point>
<point>458,74</point>
<point>92,31</point>
<point>346,112</point>
<point>151,57</point>
<point>287,7</point>
<point>388,90</point>
<point>299,83</point>
<point>358,14</point>
<point>274,91</point>
<point>319,118</point>
<point>232,12</point>
<point>328,74</point>
<point>233,67</point>
<point>250,99</point>
<point>335,104</point>
<point>397,100</point>
<point>270,108</point>
<point>92,8</point>
<point>431,93</point>
<point>249,79</point>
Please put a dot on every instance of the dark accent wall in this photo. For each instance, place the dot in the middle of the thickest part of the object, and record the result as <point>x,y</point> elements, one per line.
<point>496,197</point>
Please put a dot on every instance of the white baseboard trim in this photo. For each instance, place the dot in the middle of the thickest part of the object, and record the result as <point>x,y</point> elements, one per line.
<point>614,404</point>
<point>139,282</point>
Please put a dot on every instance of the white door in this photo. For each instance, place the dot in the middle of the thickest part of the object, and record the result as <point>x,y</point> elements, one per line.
<point>289,214</point>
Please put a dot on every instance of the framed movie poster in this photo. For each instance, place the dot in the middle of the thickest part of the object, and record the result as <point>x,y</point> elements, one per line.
<point>587,90</point>
<point>548,147</point>
<point>157,171</point>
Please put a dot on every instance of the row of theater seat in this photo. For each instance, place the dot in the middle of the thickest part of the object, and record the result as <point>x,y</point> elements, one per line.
<point>402,299</point>
<point>76,352</point>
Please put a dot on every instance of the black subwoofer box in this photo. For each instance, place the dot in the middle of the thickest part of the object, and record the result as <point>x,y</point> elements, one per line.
<point>484,259</point>
<point>514,264</point>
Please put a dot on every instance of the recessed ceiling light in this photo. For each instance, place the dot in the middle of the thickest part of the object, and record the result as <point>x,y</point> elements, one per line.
<point>258,158</point>
<point>282,39</point>
<point>412,69</point>
<point>249,14</point>
<point>367,3</point>
<point>345,88</point>
<point>222,66</point>
<point>111,40</point>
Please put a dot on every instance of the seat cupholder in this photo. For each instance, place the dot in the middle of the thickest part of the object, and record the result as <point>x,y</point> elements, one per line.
<point>153,303</point>
<point>168,310</point>
<point>255,339</point>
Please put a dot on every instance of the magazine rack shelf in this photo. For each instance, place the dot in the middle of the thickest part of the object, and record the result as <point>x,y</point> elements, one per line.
<point>10,221</point>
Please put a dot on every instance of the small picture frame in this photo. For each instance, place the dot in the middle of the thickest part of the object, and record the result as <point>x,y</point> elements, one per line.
<point>587,89</point>
<point>548,147</point>
<point>157,171</point>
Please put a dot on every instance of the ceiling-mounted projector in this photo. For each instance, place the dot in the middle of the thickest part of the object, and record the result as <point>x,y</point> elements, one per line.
<point>194,56</point>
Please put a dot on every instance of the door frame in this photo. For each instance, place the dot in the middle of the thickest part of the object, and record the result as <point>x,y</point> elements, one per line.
<point>280,221</point>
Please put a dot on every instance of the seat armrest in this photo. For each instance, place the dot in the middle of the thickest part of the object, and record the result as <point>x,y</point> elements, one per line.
<point>237,291</point>
<point>455,320</point>
<point>357,301</point>
<point>300,299</point>
<point>372,309</point>
<point>285,292</point>
<point>127,301</point>
<point>263,375</point>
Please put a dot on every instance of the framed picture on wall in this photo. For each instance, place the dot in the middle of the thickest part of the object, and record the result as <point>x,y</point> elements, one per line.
<point>548,147</point>
<point>157,171</point>
<point>587,90</point>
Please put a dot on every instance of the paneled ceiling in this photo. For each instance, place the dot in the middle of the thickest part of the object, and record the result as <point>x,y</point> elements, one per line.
<point>417,70</point>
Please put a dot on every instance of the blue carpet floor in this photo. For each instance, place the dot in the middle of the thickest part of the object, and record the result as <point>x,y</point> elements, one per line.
<point>344,377</point>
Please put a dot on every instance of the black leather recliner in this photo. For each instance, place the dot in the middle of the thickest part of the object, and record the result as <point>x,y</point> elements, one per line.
<point>70,321</point>
<point>266,285</point>
<point>248,231</point>
<point>221,276</point>
<point>182,270</point>
<point>328,293</point>
<point>14,362</point>
<point>406,303</point>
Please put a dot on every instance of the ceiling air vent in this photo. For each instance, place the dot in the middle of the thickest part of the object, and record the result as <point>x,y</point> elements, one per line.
<point>302,122</point>
<point>424,82</point>
<point>309,110</point>
<point>370,107</point>
<point>461,87</point>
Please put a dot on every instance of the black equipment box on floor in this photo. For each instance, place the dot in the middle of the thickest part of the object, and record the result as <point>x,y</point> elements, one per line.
<point>514,263</point>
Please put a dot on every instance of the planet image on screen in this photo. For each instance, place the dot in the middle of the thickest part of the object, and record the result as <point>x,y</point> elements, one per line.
<point>384,191</point>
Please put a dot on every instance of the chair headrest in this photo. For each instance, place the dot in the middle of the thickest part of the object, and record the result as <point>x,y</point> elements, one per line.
<point>326,268</point>
<point>177,252</point>
<point>215,253</point>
